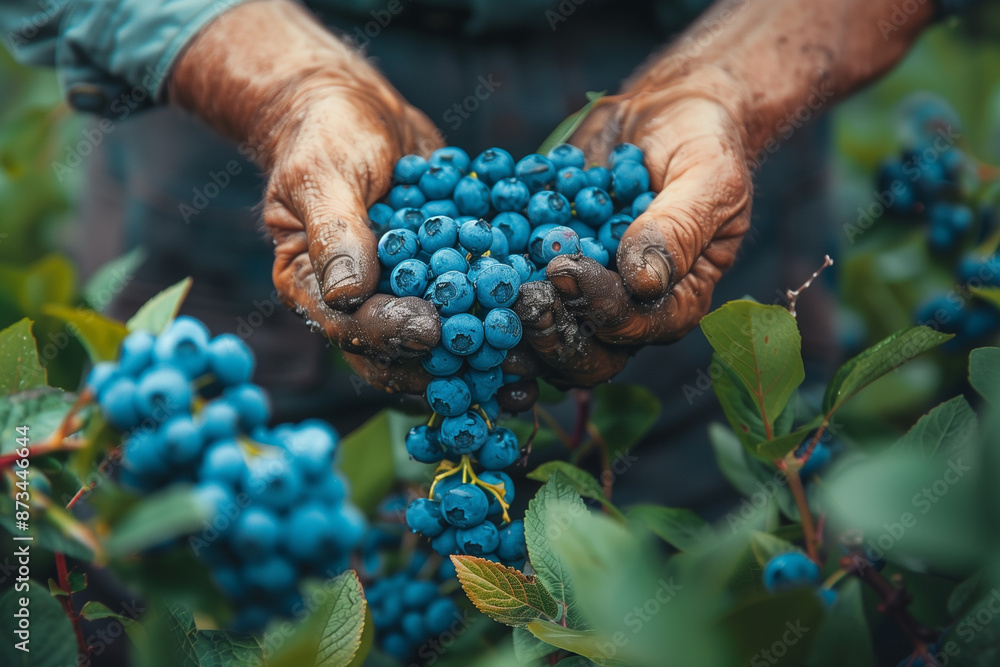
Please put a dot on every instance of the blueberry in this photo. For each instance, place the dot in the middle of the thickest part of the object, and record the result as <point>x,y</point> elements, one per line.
<point>418,594</point>
<point>440,362</point>
<point>136,353</point>
<point>486,357</point>
<point>593,206</point>
<point>512,545</point>
<point>309,532</point>
<point>397,245</point>
<point>956,218</point>
<point>610,233</point>
<point>629,180</point>
<point>423,445</point>
<point>499,249</point>
<point>538,275</point>
<point>439,181</point>
<point>160,390</point>
<point>445,485</point>
<point>272,480</point>
<point>273,575</point>
<point>570,180</point>
<point>440,615</point>
<point>472,197</point>
<point>101,377</point>
<point>119,405</point>
<point>409,169</point>
<point>500,450</point>
<point>981,322</point>
<point>497,286</point>
<point>944,312</point>
<point>790,570</point>
<point>330,489</point>
<point>535,244</point>
<point>181,441</point>
<point>592,248</point>
<point>437,232</point>
<point>549,208</point>
<point>251,403</point>
<point>424,516</point>
<point>641,203</point>
<point>184,345</point>
<point>828,596</point>
<point>143,454</point>
<point>406,196</point>
<point>493,164</point>
<point>536,171</point>
<point>522,265</point>
<point>509,194</point>
<point>462,334</point>
<point>348,527</point>
<point>255,534</point>
<point>818,460</point>
<point>448,396</point>
<point>624,153</point>
<point>452,293</point>
<point>446,571</point>
<point>445,544</point>
<point>440,207</point>
<point>224,463</point>
<point>312,446</point>
<point>448,259</point>
<point>463,434</point>
<point>251,618</point>
<point>407,218</point>
<point>479,540</point>
<point>515,228</point>
<point>476,236</point>
<point>483,384</point>
<point>452,156</point>
<point>566,155</point>
<point>464,506</point>
<point>230,360</point>
<point>498,478</point>
<point>378,218</point>
<point>491,408</point>
<point>599,177</point>
<point>397,646</point>
<point>559,241</point>
<point>478,265</point>
<point>412,625</point>
<point>410,278</point>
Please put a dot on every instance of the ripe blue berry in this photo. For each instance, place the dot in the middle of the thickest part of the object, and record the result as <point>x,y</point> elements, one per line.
<point>593,206</point>
<point>136,353</point>
<point>255,534</point>
<point>463,434</point>
<point>522,265</point>
<point>483,384</point>
<point>462,334</point>
<point>497,478</point>
<point>101,376</point>
<point>472,197</point>
<point>478,265</point>
<point>502,328</point>
<point>423,516</point>
<point>790,570</point>
<point>409,169</point>
<point>440,615</point>
<point>493,164</point>
<point>223,463</point>
<point>184,345</point>
<point>549,208</point>
<point>419,594</point>
<point>273,575</point>
<point>143,454</point>
<point>448,259</point>
<point>559,241</point>
<point>437,233</point>
<point>410,278</point>
<point>312,446</point>
<point>641,203</point>
<point>629,180</point>
<point>439,181</point>
<point>412,625</point>
<point>536,171</point>
<point>499,249</point>
<point>464,506</point>
<point>509,194</point>
<point>512,546</point>
<point>348,527</point>
<point>406,196</point>
<point>448,396</point>
<point>570,180</point>
<point>230,360</point>
<point>251,403</point>
<point>181,441</point>
<point>445,543</point>
<point>478,540</point>
<point>610,233</point>
<point>424,445</point>
<point>451,155</point>
<point>500,450</point>
<point>592,248</point>
<point>438,361</point>
<point>435,207</point>
<point>452,293</point>
<point>118,404</point>
<point>623,153</point>
<point>406,218</point>
<point>497,286</point>
<point>515,228</point>
<point>272,480</point>
<point>397,245</point>
<point>160,391</point>
<point>567,155</point>
<point>378,217</point>
<point>599,177</point>
<point>309,534</point>
<point>476,236</point>
<point>535,244</point>
<point>486,357</point>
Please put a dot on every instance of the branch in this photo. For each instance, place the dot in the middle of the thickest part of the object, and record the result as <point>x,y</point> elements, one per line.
<point>67,603</point>
<point>793,294</point>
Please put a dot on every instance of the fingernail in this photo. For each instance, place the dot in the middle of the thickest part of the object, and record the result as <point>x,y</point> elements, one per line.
<point>341,283</point>
<point>652,279</point>
<point>567,285</point>
<point>420,333</point>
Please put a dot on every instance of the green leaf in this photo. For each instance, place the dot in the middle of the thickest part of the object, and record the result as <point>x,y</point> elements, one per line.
<point>555,505</point>
<point>623,414</point>
<point>218,648</point>
<point>876,361</point>
<point>766,546</point>
<point>367,456</point>
<point>762,344</point>
<point>581,480</point>
<point>789,619</point>
<point>581,642</point>
<point>111,278</point>
<point>157,518</point>
<point>170,638</point>
<point>984,372</point>
<point>20,369</point>
<point>51,642</point>
<point>750,476</point>
<point>344,622</point>
<point>77,581</point>
<point>778,447</point>
<point>367,640</point>
<point>680,528</point>
<point>156,314</point>
<point>844,638</point>
<point>740,409</point>
<point>41,410</point>
<point>503,593</point>
<point>990,295</point>
<point>93,610</point>
<point>51,279</point>
<point>568,126</point>
<point>100,335</point>
<point>946,430</point>
<point>529,648</point>
<point>574,661</point>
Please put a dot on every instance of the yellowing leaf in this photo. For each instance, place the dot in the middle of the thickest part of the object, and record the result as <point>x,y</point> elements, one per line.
<point>502,593</point>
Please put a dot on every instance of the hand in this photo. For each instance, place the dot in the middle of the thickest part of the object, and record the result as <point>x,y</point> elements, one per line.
<point>328,129</point>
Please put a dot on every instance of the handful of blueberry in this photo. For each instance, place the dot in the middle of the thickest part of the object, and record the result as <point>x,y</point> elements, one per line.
<point>465,234</point>
<point>191,415</point>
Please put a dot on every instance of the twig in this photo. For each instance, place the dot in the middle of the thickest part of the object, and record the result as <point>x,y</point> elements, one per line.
<point>43,449</point>
<point>793,294</point>
<point>607,478</point>
<point>584,400</point>
<point>526,450</point>
<point>67,603</point>
<point>805,515</point>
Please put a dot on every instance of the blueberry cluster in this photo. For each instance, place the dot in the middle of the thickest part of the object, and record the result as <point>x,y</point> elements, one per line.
<point>465,234</point>
<point>192,415</point>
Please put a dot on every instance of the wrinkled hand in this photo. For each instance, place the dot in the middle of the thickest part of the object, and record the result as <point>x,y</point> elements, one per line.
<point>671,257</point>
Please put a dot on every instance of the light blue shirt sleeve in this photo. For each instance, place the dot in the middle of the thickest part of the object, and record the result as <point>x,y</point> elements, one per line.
<point>111,56</point>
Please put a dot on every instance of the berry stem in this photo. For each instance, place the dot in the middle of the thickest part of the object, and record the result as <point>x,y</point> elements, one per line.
<point>799,493</point>
<point>607,477</point>
<point>584,400</point>
<point>67,603</point>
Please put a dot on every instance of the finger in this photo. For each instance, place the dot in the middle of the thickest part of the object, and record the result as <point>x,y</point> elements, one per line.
<point>570,351</point>
<point>696,156</point>
<point>518,396</point>
<point>390,375</point>
<point>600,131</point>
<point>383,324</point>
